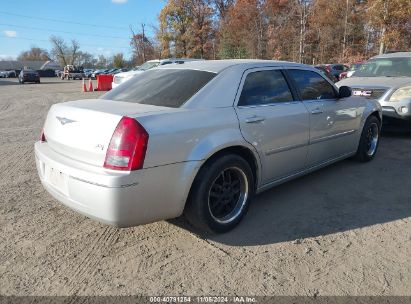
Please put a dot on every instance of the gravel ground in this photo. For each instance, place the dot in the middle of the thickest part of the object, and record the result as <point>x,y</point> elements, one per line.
<point>344,230</point>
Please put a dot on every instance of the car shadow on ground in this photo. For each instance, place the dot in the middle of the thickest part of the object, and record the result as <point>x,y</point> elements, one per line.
<point>14,81</point>
<point>6,81</point>
<point>344,196</point>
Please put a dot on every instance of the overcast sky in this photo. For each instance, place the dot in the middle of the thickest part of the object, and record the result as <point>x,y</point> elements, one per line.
<point>100,26</point>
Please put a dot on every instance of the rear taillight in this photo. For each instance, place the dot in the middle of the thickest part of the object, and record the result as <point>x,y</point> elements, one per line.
<point>128,146</point>
<point>42,136</point>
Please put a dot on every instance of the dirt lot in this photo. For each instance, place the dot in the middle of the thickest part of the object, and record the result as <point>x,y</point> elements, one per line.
<point>343,230</point>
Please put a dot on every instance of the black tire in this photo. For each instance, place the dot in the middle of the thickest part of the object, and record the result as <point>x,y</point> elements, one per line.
<point>369,141</point>
<point>220,212</point>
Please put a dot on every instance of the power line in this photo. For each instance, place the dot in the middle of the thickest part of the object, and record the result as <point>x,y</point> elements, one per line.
<point>65,32</point>
<point>65,21</point>
<point>90,45</point>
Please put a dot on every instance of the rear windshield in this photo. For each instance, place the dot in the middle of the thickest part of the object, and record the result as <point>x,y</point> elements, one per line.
<point>166,88</point>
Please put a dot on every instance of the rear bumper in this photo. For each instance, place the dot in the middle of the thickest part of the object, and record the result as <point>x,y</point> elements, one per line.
<point>121,199</point>
<point>31,79</point>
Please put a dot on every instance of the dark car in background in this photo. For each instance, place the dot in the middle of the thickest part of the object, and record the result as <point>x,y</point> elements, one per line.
<point>334,69</point>
<point>326,72</point>
<point>354,67</point>
<point>98,72</point>
<point>29,76</point>
<point>88,73</point>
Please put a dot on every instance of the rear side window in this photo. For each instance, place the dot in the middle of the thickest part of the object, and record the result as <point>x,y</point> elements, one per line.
<point>312,86</point>
<point>166,88</point>
<point>264,87</point>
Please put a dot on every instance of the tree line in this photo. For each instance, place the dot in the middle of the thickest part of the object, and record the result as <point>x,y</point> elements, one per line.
<point>307,31</point>
<point>66,53</point>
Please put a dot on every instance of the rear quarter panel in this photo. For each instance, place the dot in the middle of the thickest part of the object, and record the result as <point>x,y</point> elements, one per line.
<point>190,135</point>
<point>369,106</point>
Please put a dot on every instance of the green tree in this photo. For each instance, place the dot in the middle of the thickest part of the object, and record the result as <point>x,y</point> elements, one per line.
<point>118,61</point>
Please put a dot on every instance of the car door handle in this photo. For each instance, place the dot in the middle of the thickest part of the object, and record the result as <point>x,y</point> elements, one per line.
<point>316,111</point>
<point>254,119</point>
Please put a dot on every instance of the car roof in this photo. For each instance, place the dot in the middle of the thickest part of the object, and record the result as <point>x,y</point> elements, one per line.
<point>393,55</point>
<point>217,66</point>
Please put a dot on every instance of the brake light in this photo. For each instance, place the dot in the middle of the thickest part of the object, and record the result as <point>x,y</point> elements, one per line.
<point>42,136</point>
<point>128,145</point>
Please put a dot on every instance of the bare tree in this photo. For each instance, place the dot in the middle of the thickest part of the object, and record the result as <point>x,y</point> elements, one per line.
<point>303,12</point>
<point>62,52</point>
<point>74,49</point>
<point>59,49</point>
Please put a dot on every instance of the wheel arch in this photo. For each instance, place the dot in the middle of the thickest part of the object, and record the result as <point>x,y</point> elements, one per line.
<point>377,115</point>
<point>243,151</point>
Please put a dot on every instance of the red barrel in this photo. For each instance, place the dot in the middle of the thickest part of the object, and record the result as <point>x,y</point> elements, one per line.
<point>104,82</point>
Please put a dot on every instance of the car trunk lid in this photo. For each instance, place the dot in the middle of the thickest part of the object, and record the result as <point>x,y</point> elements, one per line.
<point>82,129</point>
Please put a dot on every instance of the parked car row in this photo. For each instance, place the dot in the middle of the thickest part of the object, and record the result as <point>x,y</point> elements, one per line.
<point>8,74</point>
<point>80,73</point>
<point>122,77</point>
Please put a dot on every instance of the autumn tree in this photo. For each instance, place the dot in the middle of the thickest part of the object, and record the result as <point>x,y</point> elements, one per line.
<point>201,29</point>
<point>243,34</point>
<point>308,31</point>
<point>143,48</point>
<point>283,30</point>
<point>392,20</point>
<point>186,26</point>
<point>35,54</point>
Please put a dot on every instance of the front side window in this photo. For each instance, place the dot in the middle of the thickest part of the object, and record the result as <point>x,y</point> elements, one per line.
<point>265,87</point>
<point>161,87</point>
<point>312,86</point>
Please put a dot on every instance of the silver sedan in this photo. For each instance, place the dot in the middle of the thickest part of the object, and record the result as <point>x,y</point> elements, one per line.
<point>200,138</point>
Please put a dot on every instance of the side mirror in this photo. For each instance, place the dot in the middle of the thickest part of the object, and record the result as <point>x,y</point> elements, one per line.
<point>345,91</point>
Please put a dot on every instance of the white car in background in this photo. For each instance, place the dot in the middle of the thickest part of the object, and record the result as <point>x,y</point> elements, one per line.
<point>122,77</point>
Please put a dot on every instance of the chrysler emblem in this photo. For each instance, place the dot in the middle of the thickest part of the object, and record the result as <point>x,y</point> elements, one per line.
<point>64,120</point>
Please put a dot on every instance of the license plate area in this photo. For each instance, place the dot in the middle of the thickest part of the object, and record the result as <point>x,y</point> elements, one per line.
<point>57,179</point>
